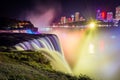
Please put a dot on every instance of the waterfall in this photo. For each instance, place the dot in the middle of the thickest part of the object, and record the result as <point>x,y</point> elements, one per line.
<point>49,46</point>
<point>49,42</point>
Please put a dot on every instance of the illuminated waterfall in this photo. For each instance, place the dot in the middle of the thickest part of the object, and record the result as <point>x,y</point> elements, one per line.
<point>49,46</point>
<point>49,42</point>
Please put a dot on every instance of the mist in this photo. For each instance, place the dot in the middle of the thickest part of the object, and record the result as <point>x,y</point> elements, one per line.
<point>42,13</point>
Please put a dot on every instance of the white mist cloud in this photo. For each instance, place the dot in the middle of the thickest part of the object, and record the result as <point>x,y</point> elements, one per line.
<point>42,14</point>
<point>42,20</point>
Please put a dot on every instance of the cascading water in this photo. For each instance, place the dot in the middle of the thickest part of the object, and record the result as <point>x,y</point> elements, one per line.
<point>95,53</point>
<point>49,42</point>
<point>49,46</point>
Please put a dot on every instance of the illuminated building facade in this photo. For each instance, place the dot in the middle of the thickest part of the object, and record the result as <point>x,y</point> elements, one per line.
<point>101,15</point>
<point>109,16</point>
<point>73,18</point>
<point>117,15</point>
<point>98,15</point>
<point>82,19</point>
<point>63,20</point>
<point>69,20</point>
<point>77,16</point>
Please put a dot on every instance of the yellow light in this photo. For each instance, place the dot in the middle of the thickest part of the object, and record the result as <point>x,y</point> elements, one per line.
<point>92,25</point>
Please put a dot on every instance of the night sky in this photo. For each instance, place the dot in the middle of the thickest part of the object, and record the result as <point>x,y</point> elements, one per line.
<point>87,8</point>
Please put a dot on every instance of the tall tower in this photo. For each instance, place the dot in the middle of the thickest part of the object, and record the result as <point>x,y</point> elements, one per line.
<point>109,16</point>
<point>117,15</point>
<point>98,15</point>
<point>73,18</point>
<point>77,16</point>
<point>63,20</point>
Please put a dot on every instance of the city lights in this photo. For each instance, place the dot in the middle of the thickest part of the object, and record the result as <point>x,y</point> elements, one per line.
<point>92,25</point>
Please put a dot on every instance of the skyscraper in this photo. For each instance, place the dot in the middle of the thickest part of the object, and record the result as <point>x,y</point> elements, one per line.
<point>117,15</point>
<point>109,16</point>
<point>69,20</point>
<point>73,18</point>
<point>101,15</point>
<point>98,15</point>
<point>77,16</point>
<point>63,20</point>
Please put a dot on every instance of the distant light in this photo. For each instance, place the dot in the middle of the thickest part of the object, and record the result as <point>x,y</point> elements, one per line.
<point>98,10</point>
<point>29,31</point>
<point>72,16</point>
<point>103,15</point>
<point>92,25</point>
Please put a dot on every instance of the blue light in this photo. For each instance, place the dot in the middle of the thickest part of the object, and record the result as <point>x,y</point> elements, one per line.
<point>29,31</point>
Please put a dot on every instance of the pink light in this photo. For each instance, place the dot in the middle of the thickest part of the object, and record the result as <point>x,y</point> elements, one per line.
<point>102,45</point>
<point>70,41</point>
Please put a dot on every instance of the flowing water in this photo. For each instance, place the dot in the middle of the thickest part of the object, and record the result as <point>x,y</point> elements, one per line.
<point>95,53</point>
<point>50,47</point>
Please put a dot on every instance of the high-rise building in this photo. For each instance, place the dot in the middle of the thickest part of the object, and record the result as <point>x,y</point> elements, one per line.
<point>109,16</point>
<point>117,15</point>
<point>69,20</point>
<point>98,15</point>
<point>101,15</point>
<point>63,20</point>
<point>82,19</point>
<point>73,18</point>
<point>77,16</point>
